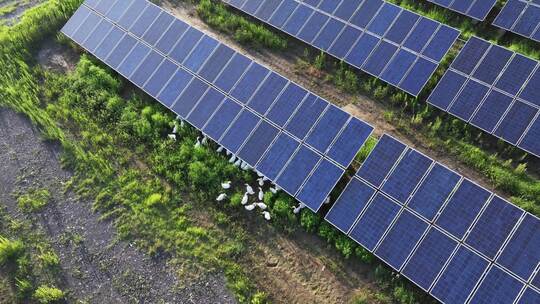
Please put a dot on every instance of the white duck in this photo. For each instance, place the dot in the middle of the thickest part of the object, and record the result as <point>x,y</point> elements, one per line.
<point>259,174</point>
<point>238,162</point>
<point>261,181</point>
<point>250,207</point>
<point>266,215</point>
<point>262,205</point>
<point>298,208</point>
<point>204,140</point>
<point>220,149</point>
<point>198,143</point>
<point>273,190</point>
<point>221,197</point>
<point>244,199</point>
<point>226,185</point>
<point>227,152</point>
<point>327,200</point>
<point>175,128</point>
<point>172,137</point>
<point>249,190</point>
<point>261,194</point>
<point>232,159</point>
<point>181,124</point>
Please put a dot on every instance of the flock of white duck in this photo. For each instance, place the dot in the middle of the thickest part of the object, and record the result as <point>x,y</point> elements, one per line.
<point>237,162</point>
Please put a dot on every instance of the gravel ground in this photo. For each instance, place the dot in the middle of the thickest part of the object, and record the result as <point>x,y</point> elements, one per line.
<point>96,266</point>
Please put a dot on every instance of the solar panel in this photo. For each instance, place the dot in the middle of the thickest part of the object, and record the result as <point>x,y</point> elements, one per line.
<point>497,287</point>
<point>350,204</point>
<point>522,253</point>
<point>406,176</point>
<point>362,33</point>
<point>529,296</point>
<point>429,258</point>
<point>536,280</point>
<point>495,90</point>
<point>459,277</point>
<point>381,160</point>
<point>521,17</point>
<point>434,191</point>
<point>494,226</point>
<point>371,226</point>
<point>237,102</point>
<point>477,9</point>
<point>401,239</point>
<point>462,209</point>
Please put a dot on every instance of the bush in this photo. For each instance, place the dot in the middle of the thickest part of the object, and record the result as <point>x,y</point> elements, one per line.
<point>10,250</point>
<point>46,294</point>
<point>309,220</point>
<point>34,200</point>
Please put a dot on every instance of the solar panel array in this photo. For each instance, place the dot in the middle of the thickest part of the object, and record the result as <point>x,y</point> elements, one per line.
<point>521,17</point>
<point>477,9</point>
<point>451,237</point>
<point>297,139</point>
<point>396,45</point>
<point>496,90</point>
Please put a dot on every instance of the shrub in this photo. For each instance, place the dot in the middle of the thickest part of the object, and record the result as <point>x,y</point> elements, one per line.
<point>45,294</point>
<point>309,220</point>
<point>34,200</point>
<point>49,259</point>
<point>10,250</point>
<point>345,245</point>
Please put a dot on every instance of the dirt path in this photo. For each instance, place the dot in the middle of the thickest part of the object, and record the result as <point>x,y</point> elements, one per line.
<point>363,107</point>
<point>96,266</point>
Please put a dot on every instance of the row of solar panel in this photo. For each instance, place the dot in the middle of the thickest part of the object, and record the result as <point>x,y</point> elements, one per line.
<point>477,9</point>
<point>496,90</point>
<point>398,46</point>
<point>521,17</point>
<point>273,147</point>
<point>440,230</point>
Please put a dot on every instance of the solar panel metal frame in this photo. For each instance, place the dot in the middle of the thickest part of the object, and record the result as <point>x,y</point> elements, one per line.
<point>194,76</point>
<point>240,5</point>
<point>492,87</point>
<point>511,29</point>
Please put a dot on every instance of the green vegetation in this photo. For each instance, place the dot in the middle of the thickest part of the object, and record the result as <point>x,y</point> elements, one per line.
<point>46,294</point>
<point>34,200</point>
<point>29,263</point>
<point>243,31</point>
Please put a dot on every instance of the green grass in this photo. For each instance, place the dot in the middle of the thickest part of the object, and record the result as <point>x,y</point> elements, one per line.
<point>34,200</point>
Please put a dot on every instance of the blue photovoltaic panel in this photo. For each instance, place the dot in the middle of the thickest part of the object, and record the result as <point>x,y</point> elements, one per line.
<point>239,130</point>
<point>306,116</point>
<point>171,36</point>
<point>381,160</point>
<point>251,80</point>
<point>373,223</point>
<point>224,116</point>
<point>434,191</point>
<point>327,128</point>
<point>459,277</point>
<point>267,93</point>
<point>277,156</point>
<point>232,72</point>
<point>477,9</point>
<point>401,239</point>
<point>375,25</point>
<point>189,97</point>
<point>429,258</point>
<point>497,287</point>
<point>494,89</point>
<point>530,141</point>
<point>160,78</point>
<point>529,297</point>
<point>286,104</point>
<point>350,204</point>
<point>406,176</point>
<point>494,226</point>
<point>257,143</point>
<point>536,280</point>
<point>205,108</point>
<point>462,208</point>
<point>349,141</point>
<point>216,62</point>
<point>320,184</point>
<point>97,34</point>
<point>521,17</point>
<point>298,170</point>
<point>200,53</point>
<point>522,253</point>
